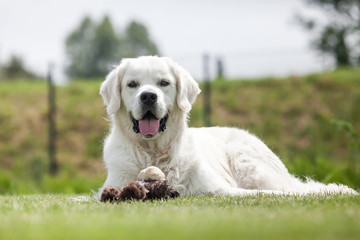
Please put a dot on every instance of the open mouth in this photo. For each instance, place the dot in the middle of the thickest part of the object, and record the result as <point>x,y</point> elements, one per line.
<point>149,125</point>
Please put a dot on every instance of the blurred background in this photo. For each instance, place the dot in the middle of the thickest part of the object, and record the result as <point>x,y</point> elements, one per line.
<point>287,71</point>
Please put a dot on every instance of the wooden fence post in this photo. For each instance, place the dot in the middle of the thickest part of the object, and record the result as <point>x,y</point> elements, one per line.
<point>207,90</point>
<point>53,166</point>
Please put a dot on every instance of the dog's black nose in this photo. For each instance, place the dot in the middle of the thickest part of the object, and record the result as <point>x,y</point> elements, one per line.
<point>148,98</point>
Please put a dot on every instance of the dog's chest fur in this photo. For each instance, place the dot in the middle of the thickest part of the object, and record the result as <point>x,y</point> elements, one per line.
<point>155,155</point>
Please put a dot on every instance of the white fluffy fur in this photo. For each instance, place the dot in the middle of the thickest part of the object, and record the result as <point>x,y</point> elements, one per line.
<point>213,160</point>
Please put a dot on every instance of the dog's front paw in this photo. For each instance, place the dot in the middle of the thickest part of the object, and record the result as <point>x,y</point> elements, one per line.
<point>110,194</point>
<point>133,191</point>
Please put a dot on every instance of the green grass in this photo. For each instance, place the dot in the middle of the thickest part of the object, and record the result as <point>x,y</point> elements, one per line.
<point>294,116</point>
<point>256,217</point>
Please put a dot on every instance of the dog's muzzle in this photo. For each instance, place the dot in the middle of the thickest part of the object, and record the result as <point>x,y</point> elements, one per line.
<point>149,125</point>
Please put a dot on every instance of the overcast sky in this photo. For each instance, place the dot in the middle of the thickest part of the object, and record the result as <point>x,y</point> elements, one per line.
<point>253,37</point>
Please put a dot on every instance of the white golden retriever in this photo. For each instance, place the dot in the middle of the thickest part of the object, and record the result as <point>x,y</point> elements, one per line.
<point>148,100</point>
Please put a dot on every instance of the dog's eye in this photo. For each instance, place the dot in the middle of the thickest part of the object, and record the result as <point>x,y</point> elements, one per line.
<point>164,83</point>
<point>133,84</point>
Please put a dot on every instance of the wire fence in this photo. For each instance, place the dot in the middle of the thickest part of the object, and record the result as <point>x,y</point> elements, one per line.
<point>255,63</point>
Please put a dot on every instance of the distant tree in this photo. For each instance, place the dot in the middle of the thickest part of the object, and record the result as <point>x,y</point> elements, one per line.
<point>15,69</point>
<point>105,46</point>
<point>79,50</point>
<point>138,40</point>
<point>339,35</point>
<point>92,48</point>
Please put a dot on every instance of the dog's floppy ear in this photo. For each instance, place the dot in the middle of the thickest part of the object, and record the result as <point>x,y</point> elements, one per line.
<point>110,88</point>
<point>187,88</point>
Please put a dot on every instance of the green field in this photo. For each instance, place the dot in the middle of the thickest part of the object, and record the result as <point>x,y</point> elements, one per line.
<point>297,117</point>
<point>312,122</point>
<point>256,217</point>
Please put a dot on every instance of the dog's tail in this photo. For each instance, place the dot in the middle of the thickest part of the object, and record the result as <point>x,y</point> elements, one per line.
<point>310,186</point>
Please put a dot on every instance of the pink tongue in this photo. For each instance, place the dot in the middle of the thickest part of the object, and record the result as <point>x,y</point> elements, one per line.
<point>149,126</point>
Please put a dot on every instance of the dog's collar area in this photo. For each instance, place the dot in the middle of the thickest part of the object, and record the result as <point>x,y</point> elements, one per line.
<point>162,126</point>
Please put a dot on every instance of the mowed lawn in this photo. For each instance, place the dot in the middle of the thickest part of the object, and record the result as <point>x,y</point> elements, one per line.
<point>256,217</point>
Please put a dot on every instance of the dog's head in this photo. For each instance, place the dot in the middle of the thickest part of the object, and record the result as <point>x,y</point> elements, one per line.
<point>148,89</point>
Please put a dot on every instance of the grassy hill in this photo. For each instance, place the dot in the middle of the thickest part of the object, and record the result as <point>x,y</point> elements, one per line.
<point>296,116</point>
